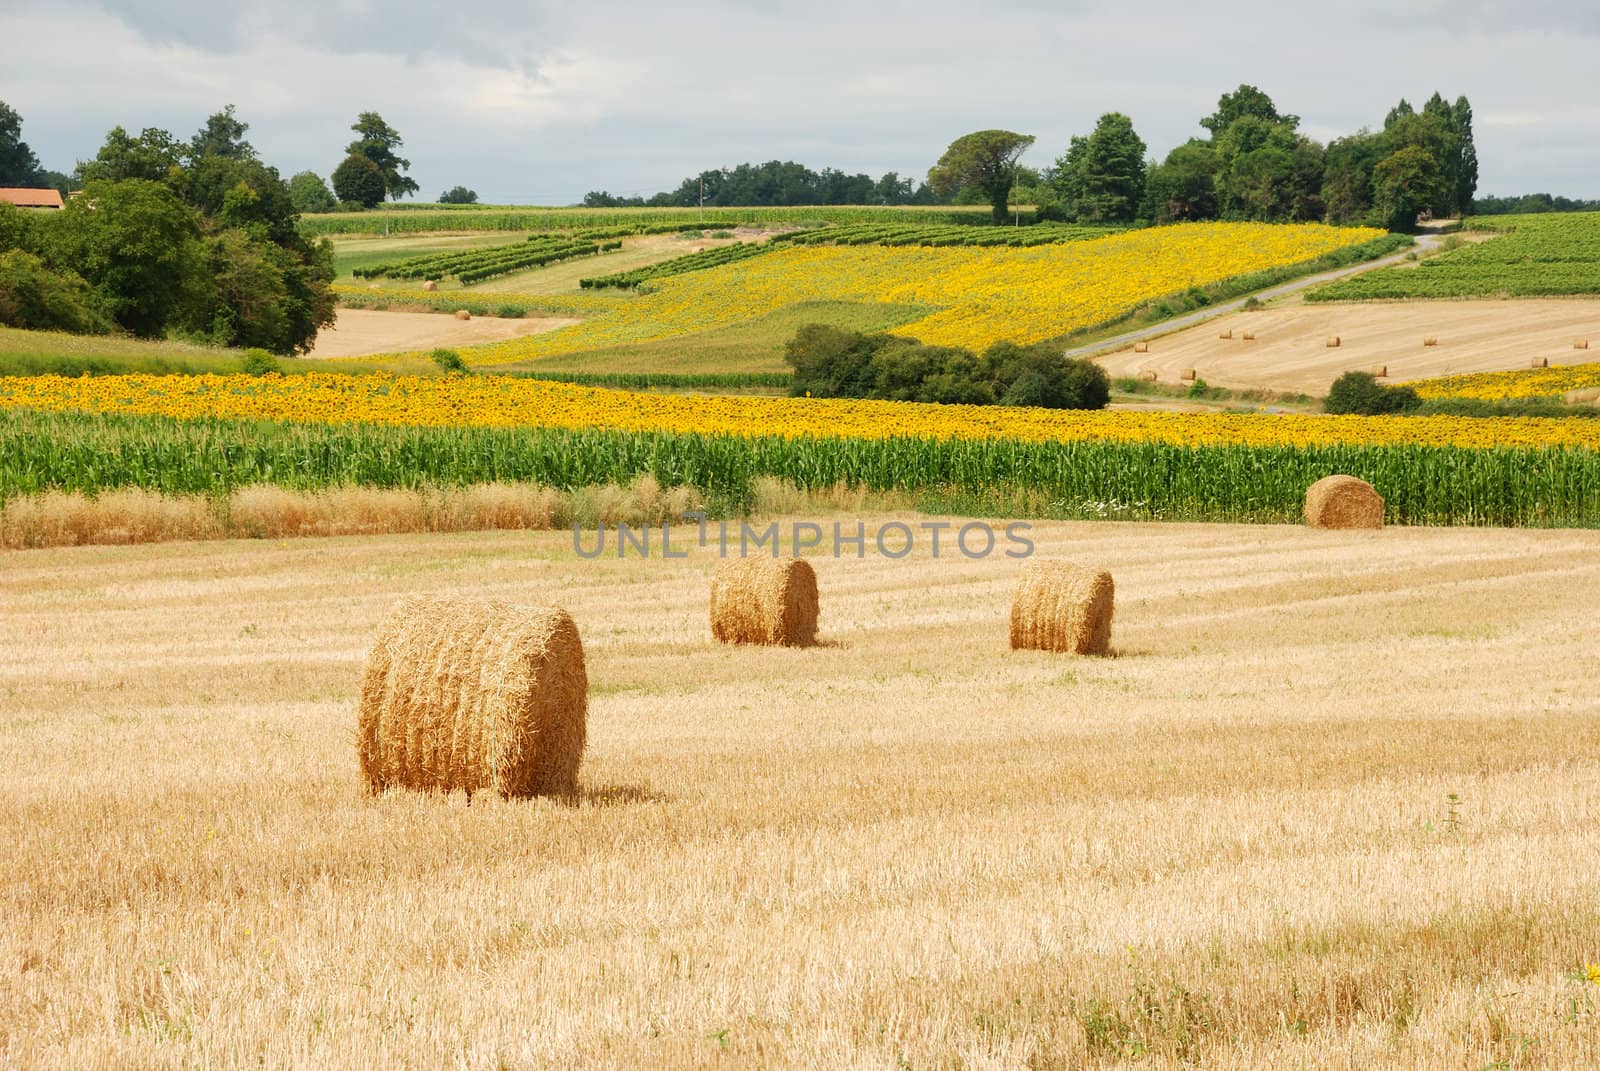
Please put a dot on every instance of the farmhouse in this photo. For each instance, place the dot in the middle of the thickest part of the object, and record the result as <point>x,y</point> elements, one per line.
<point>25,197</point>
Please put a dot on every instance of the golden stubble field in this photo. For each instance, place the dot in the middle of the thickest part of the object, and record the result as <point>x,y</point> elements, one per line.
<point>1337,804</point>
<point>1290,351</point>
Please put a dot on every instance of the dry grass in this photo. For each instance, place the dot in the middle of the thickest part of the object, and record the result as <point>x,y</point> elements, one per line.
<point>474,695</point>
<point>1337,805</point>
<point>59,519</point>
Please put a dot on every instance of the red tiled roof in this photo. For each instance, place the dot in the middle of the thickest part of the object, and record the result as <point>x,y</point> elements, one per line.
<point>23,197</point>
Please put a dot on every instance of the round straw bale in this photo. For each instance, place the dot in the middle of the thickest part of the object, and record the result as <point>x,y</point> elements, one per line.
<point>1540,362</point>
<point>1226,334</point>
<point>474,695</point>
<point>1187,375</point>
<point>1582,396</point>
<point>1380,371</point>
<point>1333,342</point>
<point>1063,607</point>
<point>1343,502</point>
<point>430,286</point>
<point>1148,375</point>
<point>1141,347</point>
<point>770,601</point>
<point>1580,344</point>
<point>1249,336</point>
<point>1429,340</point>
<point>463,314</point>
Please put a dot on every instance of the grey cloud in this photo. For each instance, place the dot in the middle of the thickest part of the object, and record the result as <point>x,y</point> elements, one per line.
<point>545,101</point>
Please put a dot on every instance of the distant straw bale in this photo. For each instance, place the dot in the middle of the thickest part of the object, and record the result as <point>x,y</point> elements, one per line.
<point>1063,607</point>
<point>1343,502</point>
<point>474,695</point>
<point>771,601</point>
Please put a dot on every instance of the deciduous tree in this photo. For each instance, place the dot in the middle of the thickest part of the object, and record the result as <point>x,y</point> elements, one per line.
<point>378,141</point>
<point>985,160</point>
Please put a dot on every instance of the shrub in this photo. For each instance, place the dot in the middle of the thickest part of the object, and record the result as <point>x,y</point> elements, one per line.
<point>258,363</point>
<point>449,360</point>
<point>1361,393</point>
<point>33,296</point>
<point>509,312</point>
<point>832,363</point>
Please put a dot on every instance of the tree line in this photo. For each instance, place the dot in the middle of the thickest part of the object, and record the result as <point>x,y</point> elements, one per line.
<point>1255,164</point>
<point>777,183</point>
<point>196,239</point>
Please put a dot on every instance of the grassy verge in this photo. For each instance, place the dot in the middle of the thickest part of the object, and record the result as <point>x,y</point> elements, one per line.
<point>1133,480</point>
<point>753,346</point>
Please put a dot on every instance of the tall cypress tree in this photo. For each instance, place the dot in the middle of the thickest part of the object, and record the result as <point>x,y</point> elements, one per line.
<point>1467,172</point>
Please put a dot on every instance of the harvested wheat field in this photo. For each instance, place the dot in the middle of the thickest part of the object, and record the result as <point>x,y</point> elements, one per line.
<point>361,332</point>
<point>1291,351</point>
<point>1336,803</point>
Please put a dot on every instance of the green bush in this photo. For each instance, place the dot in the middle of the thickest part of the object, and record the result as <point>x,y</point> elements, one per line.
<point>449,360</point>
<point>1361,393</point>
<point>258,363</point>
<point>33,296</point>
<point>833,363</point>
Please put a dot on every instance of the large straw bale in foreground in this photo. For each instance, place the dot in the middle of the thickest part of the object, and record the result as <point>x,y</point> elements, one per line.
<point>1063,607</point>
<point>1343,502</point>
<point>764,600</point>
<point>479,696</point>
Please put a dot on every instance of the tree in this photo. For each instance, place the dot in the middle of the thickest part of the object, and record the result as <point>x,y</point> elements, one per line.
<point>223,135</point>
<point>458,195</point>
<point>310,194</point>
<point>1347,176</point>
<point>891,189</point>
<point>1101,179</point>
<point>1245,101</point>
<point>358,181</point>
<point>1400,111</point>
<point>1404,184</point>
<point>1040,375</point>
<point>35,297</point>
<point>377,141</point>
<point>152,156</point>
<point>140,246</point>
<point>1467,158</point>
<point>18,165</point>
<point>1183,187</point>
<point>986,161</point>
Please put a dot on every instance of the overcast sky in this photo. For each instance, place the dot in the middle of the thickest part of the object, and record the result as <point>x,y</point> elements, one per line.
<point>539,103</point>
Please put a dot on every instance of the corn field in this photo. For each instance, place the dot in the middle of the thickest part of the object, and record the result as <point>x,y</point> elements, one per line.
<point>1442,485</point>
